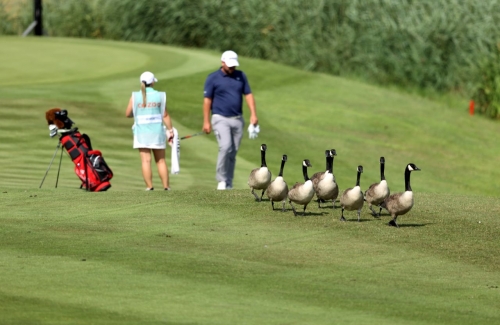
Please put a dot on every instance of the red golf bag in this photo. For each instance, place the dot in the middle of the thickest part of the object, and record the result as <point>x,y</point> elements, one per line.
<point>90,166</point>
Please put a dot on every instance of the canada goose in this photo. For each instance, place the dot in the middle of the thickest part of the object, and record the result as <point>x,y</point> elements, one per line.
<point>377,192</point>
<point>302,193</point>
<point>352,198</point>
<point>278,189</point>
<point>400,203</point>
<point>324,183</point>
<point>260,178</point>
<point>316,177</point>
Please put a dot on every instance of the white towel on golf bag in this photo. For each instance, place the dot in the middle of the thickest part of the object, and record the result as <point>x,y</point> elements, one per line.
<point>176,152</point>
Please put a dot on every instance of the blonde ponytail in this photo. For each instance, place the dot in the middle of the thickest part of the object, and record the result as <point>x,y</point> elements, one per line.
<point>143,90</point>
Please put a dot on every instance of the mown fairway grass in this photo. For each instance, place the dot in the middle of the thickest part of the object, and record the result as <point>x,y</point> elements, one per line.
<point>211,257</point>
<point>200,256</point>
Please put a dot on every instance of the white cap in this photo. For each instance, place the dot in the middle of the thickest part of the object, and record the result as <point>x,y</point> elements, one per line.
<point>230,58</point>
<point>148,77</point>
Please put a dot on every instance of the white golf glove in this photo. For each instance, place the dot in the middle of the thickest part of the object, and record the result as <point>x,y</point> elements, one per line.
<point>53,130</point>
<point>253,131</point>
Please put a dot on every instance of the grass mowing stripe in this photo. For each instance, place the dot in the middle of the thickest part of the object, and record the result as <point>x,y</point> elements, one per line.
<point>93,61</point>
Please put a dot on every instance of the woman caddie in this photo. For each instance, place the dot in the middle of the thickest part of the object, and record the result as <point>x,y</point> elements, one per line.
<point>149,110</point>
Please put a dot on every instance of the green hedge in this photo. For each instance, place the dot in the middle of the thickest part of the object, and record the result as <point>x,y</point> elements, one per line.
<point>15,17</point>
<point>427,44</point>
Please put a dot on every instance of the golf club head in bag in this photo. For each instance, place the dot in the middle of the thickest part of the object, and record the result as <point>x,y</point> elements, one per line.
<point>58,121</point>
<point>62,116</point>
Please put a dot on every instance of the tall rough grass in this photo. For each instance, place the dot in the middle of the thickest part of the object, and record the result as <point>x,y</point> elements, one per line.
<point>74,18</point>
<point>428,44</point>
<point>487,94</point>
<point>15,16</point>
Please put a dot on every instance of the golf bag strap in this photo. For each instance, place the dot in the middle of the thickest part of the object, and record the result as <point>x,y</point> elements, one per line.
<point>87,140</point>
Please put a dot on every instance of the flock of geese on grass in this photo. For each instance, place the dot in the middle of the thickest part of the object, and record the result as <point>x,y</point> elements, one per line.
<point>323,185</point>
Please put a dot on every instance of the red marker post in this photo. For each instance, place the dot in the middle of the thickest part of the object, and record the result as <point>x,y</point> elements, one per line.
<point>471,107</point>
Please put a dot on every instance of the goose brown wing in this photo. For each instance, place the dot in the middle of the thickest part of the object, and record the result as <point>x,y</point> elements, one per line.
<point>296,185</point>
<point>316,178</point>
<point>317,175</point>
<point>370,192</point>
<point>391,202</point>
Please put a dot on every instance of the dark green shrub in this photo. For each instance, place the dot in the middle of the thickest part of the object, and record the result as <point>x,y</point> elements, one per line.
<point>487,93</point>
<point>428,44</point>
<point>73,18</point>
<point>15,18</point>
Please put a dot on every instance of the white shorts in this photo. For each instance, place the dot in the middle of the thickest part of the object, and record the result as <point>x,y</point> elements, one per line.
<point>137,145</point>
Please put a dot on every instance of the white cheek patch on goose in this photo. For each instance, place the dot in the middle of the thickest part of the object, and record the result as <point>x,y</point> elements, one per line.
<point>410,168</point>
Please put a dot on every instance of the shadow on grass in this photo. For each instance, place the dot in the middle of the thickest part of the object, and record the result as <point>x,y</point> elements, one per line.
<point>405,225</point>
<point>308,213</point>
<point>360,220</point>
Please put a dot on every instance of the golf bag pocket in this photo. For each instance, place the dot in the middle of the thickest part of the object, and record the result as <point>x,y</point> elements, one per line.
<point>90,166</point>
<point>97,162</point>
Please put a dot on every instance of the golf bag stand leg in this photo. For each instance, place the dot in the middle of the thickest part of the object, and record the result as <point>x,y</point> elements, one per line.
<point>59,169</point>
<point>53,156</point>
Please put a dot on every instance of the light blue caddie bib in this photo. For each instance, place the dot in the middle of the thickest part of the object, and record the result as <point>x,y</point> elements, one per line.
<point>148,127</point>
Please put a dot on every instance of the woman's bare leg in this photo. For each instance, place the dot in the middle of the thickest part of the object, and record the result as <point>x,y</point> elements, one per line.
<point>146,166</point>
<point>162,166</point>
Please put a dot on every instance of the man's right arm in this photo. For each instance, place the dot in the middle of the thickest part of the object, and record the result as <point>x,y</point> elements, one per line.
<point>207,105</point>
<point>208,89</point>
<point>253,111</point>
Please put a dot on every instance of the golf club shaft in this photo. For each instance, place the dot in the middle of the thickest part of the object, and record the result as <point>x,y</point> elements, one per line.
<point>192,135</point>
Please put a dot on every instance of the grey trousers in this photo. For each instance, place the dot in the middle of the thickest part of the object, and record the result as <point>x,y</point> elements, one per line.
<point>229,132</point>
